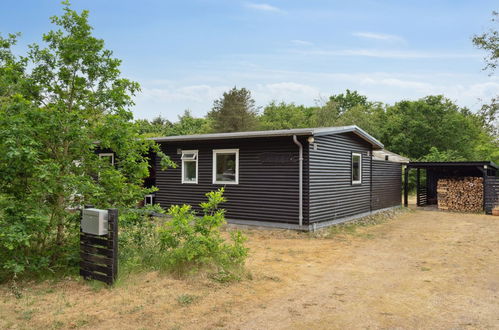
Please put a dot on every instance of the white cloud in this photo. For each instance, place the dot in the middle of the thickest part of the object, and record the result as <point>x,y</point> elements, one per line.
<point>301,42</point>
<point>263,7</point>
<point>379,36</point>
<point>171,98</point>
<point>380,53</point>
<point>286,91</point>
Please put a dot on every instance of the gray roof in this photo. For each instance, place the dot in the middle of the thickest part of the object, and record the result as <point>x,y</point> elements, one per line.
<point>282,132</point>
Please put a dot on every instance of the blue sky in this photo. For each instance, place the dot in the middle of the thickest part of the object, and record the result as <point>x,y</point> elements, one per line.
<point>186,53</point>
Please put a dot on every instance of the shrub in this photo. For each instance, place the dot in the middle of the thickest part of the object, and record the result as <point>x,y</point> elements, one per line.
<point>189,242</point>
<point>138,239</point>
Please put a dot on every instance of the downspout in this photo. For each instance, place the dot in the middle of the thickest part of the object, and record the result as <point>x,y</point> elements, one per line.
<point>300,211</point>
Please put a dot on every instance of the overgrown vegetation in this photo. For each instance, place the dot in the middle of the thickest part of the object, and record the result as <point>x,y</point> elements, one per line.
<point>58,104</point>
<point>184,244</point>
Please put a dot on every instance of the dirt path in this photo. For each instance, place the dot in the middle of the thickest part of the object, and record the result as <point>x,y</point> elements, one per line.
<point>420,270</point>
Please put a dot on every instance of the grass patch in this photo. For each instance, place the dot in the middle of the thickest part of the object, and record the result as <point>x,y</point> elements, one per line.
<point>186,299</point>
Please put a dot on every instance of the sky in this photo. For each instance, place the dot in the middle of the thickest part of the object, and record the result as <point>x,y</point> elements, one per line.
<point>185,54</point>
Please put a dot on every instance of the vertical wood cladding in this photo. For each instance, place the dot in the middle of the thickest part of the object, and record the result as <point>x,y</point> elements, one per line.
<point>268,178</point>
<point>332,194</point>
<point>387,183</point>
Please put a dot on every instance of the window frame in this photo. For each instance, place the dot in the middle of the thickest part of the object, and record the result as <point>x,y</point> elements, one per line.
<point>107,154</point>
<point>356,182</point>
<point>196,159</point>
<point>214,164</point>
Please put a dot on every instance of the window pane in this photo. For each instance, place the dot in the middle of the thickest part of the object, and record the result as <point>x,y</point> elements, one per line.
<point>226,167</point>
<point>107,158</point>
<point>189,171</point>
<point>355,168</point>
<point>189,156</point>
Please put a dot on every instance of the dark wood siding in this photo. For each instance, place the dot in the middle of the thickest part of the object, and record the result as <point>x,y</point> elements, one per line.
<point>387,184</point>
<point>491,193</point>
<point>268,184</point>
<point>332,195</point>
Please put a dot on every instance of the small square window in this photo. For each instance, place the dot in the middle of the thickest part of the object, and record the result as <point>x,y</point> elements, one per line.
<point>356,168</point>
<point>226,166</point>
<point>189,166</point>
<point>107,156</point>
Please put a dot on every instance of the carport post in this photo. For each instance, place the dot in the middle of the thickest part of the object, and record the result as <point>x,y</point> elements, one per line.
<point>418,201</point>
<point>406,186</point>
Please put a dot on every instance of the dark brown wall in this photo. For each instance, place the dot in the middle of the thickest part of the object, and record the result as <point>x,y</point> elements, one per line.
<point>387,184</point>
<point>491,193</point>
<point>267,189</point>
<point>332,195</point>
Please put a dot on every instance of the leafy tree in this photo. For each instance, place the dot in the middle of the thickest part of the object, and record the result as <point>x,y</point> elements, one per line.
<point>234,112</point>
<point>412,128</point>
<point>332,112</point>
<point>158,126</point>
<point>284,116</point>
<point>348,100</point>
<point>489,41</point>
<point>56,103</point>
<point>187,124</point>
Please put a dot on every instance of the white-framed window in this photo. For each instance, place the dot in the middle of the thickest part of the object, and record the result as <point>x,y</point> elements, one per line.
<point>356,168</point>
<point>189,166</point>
<point>226,166</point>
<point>108,156</point>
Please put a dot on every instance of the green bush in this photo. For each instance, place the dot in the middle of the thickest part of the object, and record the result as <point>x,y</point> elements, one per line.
<point>138,239</point>
<point>189,242</point>
<point>183,244</point>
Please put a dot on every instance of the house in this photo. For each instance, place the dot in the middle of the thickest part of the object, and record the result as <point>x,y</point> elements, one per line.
<point>298,178</point>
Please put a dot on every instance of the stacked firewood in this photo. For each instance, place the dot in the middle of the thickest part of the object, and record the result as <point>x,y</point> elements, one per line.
<point>460,194</point>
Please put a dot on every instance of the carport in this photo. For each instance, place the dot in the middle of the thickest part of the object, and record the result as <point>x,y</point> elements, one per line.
<point>428,174</point>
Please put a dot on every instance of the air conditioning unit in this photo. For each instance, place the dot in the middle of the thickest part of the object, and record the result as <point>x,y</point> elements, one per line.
<point>94,221</point>
<point>149,200</point>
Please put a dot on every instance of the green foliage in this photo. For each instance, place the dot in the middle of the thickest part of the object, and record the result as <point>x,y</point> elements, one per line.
<point>139,247</point>
<point>55,103</point>
<point>234,112</point>
<point>186,124</point>
<point>284,116</point>
<point>442,156</point>
<point>489,41</point>
<point>190,242</point>
<point>412,128</point>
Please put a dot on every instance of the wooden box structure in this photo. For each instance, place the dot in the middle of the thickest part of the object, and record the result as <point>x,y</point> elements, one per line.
<point>458,186</point>
<point>99,253</point>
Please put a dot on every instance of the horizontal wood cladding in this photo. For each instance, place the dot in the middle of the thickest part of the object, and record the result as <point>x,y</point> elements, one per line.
<point>387,184</point>
<point>268,178</point>
<point>332,194</point>
<point>491,192</point>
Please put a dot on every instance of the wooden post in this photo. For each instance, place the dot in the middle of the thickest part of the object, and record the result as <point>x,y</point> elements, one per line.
<point>112,218</point>
<point>485,188</point>
<point>418,197</point>
<point>406,186</point>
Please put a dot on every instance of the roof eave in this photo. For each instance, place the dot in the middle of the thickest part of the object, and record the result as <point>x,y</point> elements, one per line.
<point>357,131</point>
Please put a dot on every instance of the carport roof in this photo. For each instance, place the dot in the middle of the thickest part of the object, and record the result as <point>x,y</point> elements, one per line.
<point>489,164</point>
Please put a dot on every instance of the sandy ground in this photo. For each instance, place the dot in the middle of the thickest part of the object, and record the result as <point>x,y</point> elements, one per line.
<point>422,269</point>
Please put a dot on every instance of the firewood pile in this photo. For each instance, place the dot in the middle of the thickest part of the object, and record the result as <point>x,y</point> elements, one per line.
<point>460,194</point>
